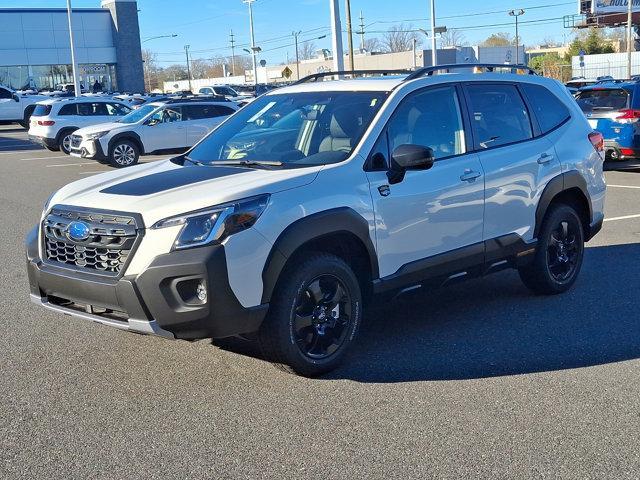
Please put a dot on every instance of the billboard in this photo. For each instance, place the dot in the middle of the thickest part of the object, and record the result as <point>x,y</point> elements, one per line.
<point>604,7</point>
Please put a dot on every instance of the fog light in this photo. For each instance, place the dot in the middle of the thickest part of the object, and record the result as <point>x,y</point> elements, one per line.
<point>201,292</point>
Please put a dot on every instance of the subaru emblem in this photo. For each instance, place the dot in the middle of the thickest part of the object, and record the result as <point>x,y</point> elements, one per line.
<point>78,231</point>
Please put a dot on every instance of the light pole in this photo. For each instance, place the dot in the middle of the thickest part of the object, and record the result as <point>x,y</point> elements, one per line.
<point>336,36</point>
<point>517,13</point>
<point>146,64</point>
<point>186,50</point>
<point>295,36</point>
<point>173,35</point>
<point>253,42</point>
<point>74,66</point>
<point>434,53</point>
<point>629,26</point>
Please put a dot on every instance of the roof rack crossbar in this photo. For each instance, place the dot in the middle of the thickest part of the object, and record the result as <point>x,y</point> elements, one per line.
<point>490,67</point>
<point>314,77</point>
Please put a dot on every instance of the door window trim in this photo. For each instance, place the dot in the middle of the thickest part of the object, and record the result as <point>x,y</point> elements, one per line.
<point>463,111</point>
<point>535,129</point>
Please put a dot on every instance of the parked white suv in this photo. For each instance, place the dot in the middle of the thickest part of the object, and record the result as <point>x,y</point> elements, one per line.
<point>153,128</point>
<point>223,91</point>
<point>17,107</point>
<point>54,121</point>
<point>312,200</point>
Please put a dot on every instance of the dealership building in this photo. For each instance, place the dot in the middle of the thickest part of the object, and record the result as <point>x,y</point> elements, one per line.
<point>35,49</point>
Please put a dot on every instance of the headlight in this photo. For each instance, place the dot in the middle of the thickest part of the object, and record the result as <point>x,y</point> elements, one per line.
<point>48,203</point>
<point>215,223</point>
<point>96,136</point>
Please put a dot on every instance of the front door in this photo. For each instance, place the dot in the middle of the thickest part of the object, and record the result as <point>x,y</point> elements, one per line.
<point>165,130</point>
<point>9,108</point>
<point>430,211</point>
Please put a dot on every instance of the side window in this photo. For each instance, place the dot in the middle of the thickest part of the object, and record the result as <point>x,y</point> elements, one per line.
<point>99,109</point>
<point>84,109</point>
<point>430,118</point>
<point>115,109</point>
<point>498,114</point>
<point>220,111</point>
<point>171,115</point>
<point>5,94</point>
<point>548,109</point>
<point>194,112</point>
<point>69,109</point>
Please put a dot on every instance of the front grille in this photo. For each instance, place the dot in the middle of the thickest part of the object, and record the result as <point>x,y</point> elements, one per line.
<point>76,140</point>
<point>110,241</point>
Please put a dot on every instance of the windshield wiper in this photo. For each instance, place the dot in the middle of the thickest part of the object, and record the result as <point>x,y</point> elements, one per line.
<point>195,162</point>
<point>247,163</point>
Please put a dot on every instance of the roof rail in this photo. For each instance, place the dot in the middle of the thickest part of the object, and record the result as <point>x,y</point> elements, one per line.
<point>199,98</point>
<point>314,77</point>
<point>489,67</point>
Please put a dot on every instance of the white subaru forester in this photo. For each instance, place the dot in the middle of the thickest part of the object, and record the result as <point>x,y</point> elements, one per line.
<point>307,203</point>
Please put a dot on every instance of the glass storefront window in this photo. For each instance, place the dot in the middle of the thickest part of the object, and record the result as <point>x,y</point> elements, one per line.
<point>98,77</point>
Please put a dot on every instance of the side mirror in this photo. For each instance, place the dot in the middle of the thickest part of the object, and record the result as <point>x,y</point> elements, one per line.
<point>152,122</point>
<point>15,97</point>
<point>409,157</point>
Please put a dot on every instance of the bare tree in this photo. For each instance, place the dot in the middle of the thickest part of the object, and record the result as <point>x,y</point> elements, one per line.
<point>151,70</point>
<point>307,50</point>
<point>501,39</point>
<point>399,38</point>
<point>453,38</point>
<point>372,44</point>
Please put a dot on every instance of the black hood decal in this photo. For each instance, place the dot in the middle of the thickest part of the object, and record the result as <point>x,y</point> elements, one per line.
<point>170,179</point>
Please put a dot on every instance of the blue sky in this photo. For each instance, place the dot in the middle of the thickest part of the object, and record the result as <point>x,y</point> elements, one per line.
<point>205,24</point>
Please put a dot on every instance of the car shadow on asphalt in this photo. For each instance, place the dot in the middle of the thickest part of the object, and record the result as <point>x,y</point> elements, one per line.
<point>495,326</point>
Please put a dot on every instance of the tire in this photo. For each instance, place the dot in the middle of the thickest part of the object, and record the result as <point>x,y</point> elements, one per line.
<point>123,153</point>
<point>314,316</point>
<point>27,117</point>
<point>64,141</point>
<point>559,253</point>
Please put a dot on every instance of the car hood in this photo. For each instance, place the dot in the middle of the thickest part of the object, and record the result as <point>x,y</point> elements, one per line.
<point>101,127</point>
<point>163,189</point>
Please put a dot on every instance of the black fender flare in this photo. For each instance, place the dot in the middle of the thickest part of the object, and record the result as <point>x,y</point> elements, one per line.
<point>312,227</point>
<point>127,136</point>
<point>557,185</point>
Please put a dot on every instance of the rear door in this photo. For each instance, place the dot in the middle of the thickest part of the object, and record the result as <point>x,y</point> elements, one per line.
<point>201,119</point>
<point>517,160</point>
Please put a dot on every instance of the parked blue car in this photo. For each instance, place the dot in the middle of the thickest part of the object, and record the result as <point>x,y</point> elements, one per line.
<point>613,109</point>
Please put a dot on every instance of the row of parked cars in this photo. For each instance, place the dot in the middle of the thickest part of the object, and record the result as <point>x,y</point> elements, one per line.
<point>612,107</point>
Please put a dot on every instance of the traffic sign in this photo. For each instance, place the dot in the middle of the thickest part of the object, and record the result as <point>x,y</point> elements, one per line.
<point>286,72</point>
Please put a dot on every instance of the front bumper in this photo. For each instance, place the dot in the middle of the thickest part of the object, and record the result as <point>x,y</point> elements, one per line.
<point>161,300</point>
<point>89,149</point>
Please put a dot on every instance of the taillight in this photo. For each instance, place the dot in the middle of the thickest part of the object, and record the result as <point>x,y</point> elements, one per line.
<point>627,152</point>
<point>46,123</point>
<point>597,140</point>
<point>628,114</point>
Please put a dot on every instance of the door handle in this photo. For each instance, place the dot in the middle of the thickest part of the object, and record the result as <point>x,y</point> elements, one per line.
<point>544,158</point>
<point>469,175</point>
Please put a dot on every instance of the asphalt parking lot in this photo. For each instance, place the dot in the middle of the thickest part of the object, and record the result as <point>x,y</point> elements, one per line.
<point>480,380</point>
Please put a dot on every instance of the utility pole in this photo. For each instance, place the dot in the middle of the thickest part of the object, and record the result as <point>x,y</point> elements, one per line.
<point>629,35</point>
<point>336,33</point>
<point>186,50</point>
<point>434,53</point>
<point>233,54</point>
<point>361,32</point>
<point>74,66</point>
<point>347,7</point>
<point>415,42</point>
<point>253,42</point>
<point>295,36</point>
<point>517,13</point>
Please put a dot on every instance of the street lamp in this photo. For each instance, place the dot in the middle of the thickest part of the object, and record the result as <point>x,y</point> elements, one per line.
<point>295,36</point>
<point>253,42</point>
<point>517,13</point>
<point>173,35</point>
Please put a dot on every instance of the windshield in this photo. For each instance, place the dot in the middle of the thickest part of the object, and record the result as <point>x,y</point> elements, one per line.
<point>227,91</point>
<point>311,128</point>
<point>137,115</point>
<point>603,99</point>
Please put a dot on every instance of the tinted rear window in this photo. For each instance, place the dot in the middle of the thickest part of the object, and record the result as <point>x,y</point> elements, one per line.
<point>603,99</point>
<point>41,111</point>
<point>69,109</point>
<point>549,109</point>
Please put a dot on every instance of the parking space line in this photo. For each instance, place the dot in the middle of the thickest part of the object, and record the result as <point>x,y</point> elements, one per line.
<point>624,217</point>
<point>624,186</point>
<point>42,158</point>
<point>92,172</point>
<point>68,164</point>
